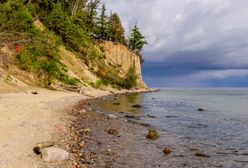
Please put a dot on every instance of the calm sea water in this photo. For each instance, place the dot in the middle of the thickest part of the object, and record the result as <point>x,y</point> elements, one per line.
<point>221,131</point>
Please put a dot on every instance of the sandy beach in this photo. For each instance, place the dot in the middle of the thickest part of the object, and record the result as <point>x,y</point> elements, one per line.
<point>28,118</point>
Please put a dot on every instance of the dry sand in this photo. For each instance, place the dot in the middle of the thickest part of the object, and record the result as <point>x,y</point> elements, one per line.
<point>26,119</point>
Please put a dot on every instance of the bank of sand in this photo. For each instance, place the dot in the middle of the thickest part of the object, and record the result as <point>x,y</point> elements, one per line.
<point>26,119</point>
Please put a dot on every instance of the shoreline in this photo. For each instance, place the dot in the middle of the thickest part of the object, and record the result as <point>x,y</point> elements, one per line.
<point>33,118</point>
<point>101,139</point>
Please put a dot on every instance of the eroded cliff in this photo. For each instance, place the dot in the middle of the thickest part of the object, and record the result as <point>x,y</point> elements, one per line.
<point>105,71</point>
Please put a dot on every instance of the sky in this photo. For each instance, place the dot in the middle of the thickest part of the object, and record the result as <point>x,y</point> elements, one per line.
<point>192,43</point>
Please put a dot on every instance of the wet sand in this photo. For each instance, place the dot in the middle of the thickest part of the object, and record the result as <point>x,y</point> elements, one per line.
<point>102,140</point>
<point>96,147</point>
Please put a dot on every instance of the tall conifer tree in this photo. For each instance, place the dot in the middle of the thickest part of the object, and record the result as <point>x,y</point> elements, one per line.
<point>116,30</point>
<point>137,40</point>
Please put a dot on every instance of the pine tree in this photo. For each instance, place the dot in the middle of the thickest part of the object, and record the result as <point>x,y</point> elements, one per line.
<point>137,40</point>
<point>102,24</point>
<point>116,30</point>
<point>91,11</point>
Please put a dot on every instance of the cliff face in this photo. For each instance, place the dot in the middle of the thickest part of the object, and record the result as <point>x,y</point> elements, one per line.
<point>115,57</point>
<point>117,54</point>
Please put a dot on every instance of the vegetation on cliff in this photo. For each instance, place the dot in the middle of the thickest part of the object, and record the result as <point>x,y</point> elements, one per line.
<point>80,26</point>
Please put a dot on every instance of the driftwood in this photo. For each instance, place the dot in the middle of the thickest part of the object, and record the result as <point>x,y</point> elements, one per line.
<point>39,146</point>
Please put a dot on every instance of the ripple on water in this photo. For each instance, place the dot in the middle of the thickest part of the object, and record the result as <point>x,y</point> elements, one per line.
<point>220,132</point>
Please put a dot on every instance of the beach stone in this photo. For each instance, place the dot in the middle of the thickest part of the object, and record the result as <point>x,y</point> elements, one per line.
<point>113,131</point>
<point>201,109</point>
<point>34,92</point>
<point>152,134</point>
<point>109,116</point>
<point>82,144</point>
<point>201,155</point>
<point>132,117</point>
<point>137,106</point>
<point>171,116</point>
<point>99,112</point>
<point>151,116</point>
<point>85,130</point>
<point>54,154</point>
<point>138,123</point>
<point>117,103</point>
<point>167,151</point>
<point>82,111</point>
<point>39,146</point>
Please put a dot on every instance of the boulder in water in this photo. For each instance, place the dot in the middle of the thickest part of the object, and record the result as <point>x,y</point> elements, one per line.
<point>201,109</point>
<point>137,106</point>
<point>152,134</point>
<point>167,151</point>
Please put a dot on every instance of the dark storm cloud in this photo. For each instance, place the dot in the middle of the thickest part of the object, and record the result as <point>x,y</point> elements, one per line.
<point>199,41</point>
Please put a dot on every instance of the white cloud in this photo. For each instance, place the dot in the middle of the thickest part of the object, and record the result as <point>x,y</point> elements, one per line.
<point>213,33</point>
<point>175,25</point>
<point>219,74</point>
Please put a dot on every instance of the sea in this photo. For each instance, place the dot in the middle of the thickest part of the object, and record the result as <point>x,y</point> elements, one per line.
<point>215,137</point>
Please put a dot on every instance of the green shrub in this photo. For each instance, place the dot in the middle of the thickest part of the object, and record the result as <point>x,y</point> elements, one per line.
<point>41,59</point>
<point>44,59</point>
<point>71,81</point>
<point>108,74</point>
<point>130,80</point>
<point>14,16</point>
<point>98,84</point>
<point>95,54</point>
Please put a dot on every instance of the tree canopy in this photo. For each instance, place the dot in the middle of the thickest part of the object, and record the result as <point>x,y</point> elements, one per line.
<point>102,24</point>
<point>116,30</point>
<point>137,40</point>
